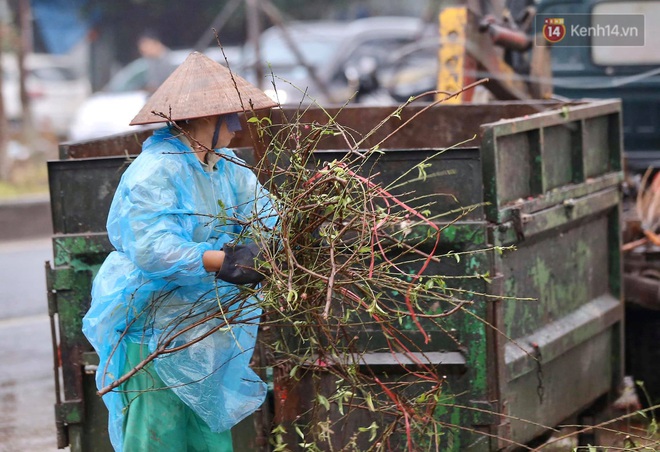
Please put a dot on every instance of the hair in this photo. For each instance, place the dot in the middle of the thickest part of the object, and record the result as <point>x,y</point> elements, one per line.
<point>150,33</point>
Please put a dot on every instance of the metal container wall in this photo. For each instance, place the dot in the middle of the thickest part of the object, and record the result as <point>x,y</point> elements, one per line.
<point>561,208</point>
<point>549,184</point>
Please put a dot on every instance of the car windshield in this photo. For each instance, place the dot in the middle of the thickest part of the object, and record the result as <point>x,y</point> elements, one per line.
<point>133,77</point>
<point>317,46</point>
<point>315,51</point>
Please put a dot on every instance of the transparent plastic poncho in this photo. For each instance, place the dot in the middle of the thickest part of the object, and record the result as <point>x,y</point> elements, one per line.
<point>167,211</point>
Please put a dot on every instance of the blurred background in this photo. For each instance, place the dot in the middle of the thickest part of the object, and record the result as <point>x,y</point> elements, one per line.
<point>81,69</point>
<point>73,69</point>
<point>78,70</point>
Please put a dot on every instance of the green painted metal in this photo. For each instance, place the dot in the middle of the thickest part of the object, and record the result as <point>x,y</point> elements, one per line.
<point>545,183</point>
<point>76,259</point>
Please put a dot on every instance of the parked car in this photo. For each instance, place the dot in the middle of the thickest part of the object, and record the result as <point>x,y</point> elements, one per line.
<point>55,91</point>
<point>110,110</point>
<point>343,55</point>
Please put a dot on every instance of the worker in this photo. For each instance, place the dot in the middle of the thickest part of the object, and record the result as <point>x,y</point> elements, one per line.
<point>177,222</point>
<point>156,54</point>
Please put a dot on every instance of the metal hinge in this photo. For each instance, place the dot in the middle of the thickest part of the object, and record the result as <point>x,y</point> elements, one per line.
<point>69,412</point>
<point>519,220</point>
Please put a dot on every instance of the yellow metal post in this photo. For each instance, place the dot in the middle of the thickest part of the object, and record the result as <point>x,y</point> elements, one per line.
<point>452,54</point>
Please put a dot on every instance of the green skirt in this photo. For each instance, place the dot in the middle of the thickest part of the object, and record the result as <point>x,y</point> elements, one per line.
<point>157,420</point>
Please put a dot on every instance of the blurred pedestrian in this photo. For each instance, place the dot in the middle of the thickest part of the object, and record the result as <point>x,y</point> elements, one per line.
<point>156,54</point>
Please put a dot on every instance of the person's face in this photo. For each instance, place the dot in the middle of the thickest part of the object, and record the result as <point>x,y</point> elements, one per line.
<point>225,136</point>
<point>149,48</point>
<point>203,129</point>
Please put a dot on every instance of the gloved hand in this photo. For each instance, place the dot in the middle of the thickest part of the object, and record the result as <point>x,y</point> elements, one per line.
<point>239,264</point>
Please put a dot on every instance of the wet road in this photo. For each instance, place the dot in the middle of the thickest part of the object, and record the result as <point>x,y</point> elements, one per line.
<point>26,362</point>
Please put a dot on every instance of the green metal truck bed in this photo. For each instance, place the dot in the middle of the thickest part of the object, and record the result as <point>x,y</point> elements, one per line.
<point>545,179</point>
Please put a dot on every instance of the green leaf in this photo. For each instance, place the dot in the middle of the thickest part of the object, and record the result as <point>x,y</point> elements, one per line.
<point>373,429</point>
<point>299,432</point>
<point>294,371</point>
<point>323,401</point>
<point>421,168</point>
<point>370,402</point>
<point>279,429</point>
<point>292,296</point>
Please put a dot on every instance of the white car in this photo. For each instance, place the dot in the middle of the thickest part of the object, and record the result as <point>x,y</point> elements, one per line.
<point>109,111</point>
<point>55,91</point>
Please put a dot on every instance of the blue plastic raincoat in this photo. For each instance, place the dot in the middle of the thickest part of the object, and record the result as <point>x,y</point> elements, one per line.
<point>162,219</point>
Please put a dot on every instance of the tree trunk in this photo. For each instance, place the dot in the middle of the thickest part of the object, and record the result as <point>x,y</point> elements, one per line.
<point>4,131</point>
<point>24,20</point>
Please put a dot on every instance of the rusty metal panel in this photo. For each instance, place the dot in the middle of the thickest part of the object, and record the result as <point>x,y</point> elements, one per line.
<point>112,146</point>
<point>441,126</point>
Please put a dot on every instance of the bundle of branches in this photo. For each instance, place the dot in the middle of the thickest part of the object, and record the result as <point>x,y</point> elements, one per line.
<point>348,281</point>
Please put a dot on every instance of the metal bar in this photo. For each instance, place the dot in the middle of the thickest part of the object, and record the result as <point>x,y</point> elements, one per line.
<point>60,427</point>
<point>559,116</point>
<point>386,361</point>
<point>571,210</point>
<point>558,337</point>
<point>554,197</point>
<point>254,33</point>
<point>123,144</point>
<point>528,225</point>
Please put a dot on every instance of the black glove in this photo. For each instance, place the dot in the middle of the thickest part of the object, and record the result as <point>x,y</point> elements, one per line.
<point>239,263</point>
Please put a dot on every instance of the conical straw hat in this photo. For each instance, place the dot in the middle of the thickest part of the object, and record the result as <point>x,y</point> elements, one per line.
<point>201,87</point>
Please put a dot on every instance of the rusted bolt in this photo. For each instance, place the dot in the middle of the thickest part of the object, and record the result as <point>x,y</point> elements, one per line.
<point>569,205</point>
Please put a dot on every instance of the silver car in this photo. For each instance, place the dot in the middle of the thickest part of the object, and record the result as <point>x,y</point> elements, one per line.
<point>342,55</point>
